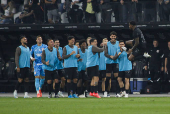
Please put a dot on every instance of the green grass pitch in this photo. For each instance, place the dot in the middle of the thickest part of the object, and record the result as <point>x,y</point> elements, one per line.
<point>145,105</point>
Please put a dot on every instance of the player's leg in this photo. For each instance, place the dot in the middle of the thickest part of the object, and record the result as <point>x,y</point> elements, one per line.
<point>62,84</point>
<point>48,78</point>
<point>127,77</point>
<point>57,84</point>
<point>75,80</point>
<point>129,43</point>
<point>26,82</point>
<point>96,80</point>
<point>103,76</point>
<point>85,83</point>
<point>79,84</point>
<point>19,82</point>
<point>42,80</point>
<point>37,79</point>
<point>68,73</point>
<point>121,84</point>
<point>115,74</point>
<point>109,68</point>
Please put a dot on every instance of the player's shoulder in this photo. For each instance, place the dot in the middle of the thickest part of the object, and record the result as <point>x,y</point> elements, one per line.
<point>34,46</point>
<point>44,45</point>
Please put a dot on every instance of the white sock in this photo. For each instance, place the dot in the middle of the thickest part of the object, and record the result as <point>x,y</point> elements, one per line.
<point>15,91</point>
<point>37,92</point>
<point>26,93</point>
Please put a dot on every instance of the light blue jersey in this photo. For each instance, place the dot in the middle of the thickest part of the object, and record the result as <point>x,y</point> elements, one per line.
<point>24,58</point>
<point>112,49</point>
<point>82,64</point>
<point>92,59</point>
<point>60,63</point>
<point>102,63</point>
<point>52,58</point>
<point>72,60</point>
<point>124,63</point>
<point>37,52</point>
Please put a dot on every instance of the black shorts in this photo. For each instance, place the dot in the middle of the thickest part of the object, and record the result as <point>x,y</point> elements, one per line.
<point>93,71</point>
<point>51,75</point>
<point>71,73</point>
<point>102,73</point>
<point>83,75</point>
<point>114,67</point>
<point>24,73</point>
<point>125,74</point>
<point>61,72</point>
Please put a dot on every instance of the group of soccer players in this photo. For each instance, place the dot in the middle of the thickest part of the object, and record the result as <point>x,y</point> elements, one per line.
<point>73,61</point>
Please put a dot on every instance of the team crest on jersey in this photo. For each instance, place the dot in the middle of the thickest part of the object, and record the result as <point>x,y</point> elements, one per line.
<point>157,51</point>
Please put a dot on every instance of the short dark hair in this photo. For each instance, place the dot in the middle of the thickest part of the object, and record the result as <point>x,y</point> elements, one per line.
<point>26,6</point>
<point>113,33</point>
<point>92,40</point>
<point>70,37</point>
<point>49,40</point>
<point>22,36</point>
<point>133,23</point>
<point>39,36</point>
<point>56,40</point>
<point>155,40</point>
<point>121,41</point>
<point>82,41</point>
<point>77,41</point>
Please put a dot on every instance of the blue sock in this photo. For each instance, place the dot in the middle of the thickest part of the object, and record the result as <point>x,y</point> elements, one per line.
<point>37,84</point>
<point>41,82</point>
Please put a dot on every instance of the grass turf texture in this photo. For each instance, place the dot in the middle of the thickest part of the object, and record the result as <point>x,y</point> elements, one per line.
<point>85,106</point>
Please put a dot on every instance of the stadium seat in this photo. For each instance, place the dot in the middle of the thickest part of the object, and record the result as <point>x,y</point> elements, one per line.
<point>10,69</point>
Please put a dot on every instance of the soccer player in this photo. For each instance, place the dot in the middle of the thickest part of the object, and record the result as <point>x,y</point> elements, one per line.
<point>102,67</point>
<point>70,56</point>
<point>39,73</point>
<point>22,61</point>
<point>138,43</point>
<point>60,67</point>
<point>111,65</point>
<point>125,67</point>
<point>50,57</point>
<point>77,43</point>
<point>93,66</point>
<point>83,79</point>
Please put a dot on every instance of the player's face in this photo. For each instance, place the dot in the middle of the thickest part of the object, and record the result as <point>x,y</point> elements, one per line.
<point>155,43</point>
<point>51,43</point>
<point>121,44</point>
<point>39,40</point>
<point>130,26</point>
<point>57,43</point>
<point>77,44</point>
<point>24,40</point>
<point>83,45</point>
<point>95,42</point>
<point>72,41</point>
<point>105,42</point>
<point>113,38</point>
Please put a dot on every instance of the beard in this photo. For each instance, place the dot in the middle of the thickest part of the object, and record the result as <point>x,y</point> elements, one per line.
<point>25,43</point>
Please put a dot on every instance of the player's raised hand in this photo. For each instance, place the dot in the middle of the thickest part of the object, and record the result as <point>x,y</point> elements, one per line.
<point>47,63</point>
<point>78,55</point>
<point>111,57</point>
<point>73,52</point>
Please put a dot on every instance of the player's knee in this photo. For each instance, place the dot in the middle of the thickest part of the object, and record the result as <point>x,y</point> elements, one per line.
<point>115,75</point>
<point>126,80</point>
<point>108,74</point>
<point>42,77</point>
<point>63,79</point>
<point>103,79</point>
<point>26,80</point>
<point>20,80</point>
<point>119,79</point>
<point>49,81</point>
<point>56,80</point>
<point>68,81</point>
<point>75,80</point>
<point>37,76</point>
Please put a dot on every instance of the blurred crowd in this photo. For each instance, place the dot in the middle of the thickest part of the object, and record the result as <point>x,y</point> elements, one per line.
<point>83,11</point>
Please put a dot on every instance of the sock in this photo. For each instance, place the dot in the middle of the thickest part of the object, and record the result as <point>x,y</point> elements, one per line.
<point>56,88</point>
<point>74,87</point>
<point>103,92</point>
<point>26,86</point>
<point>107,82</point>
<point>49,88</point>
<point>37,84</point>
<point>79,90</point>
<point>92,90</point>
<point>96,89</point>
<point>122,89</point>
<point>37,92</point>
<point>83,90</point>
<point>68,88</point>
<point>17,85</point>
<point>26,93</point>
<point>127,91</point>
<point>108,92</point>
<point>41,82</point>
